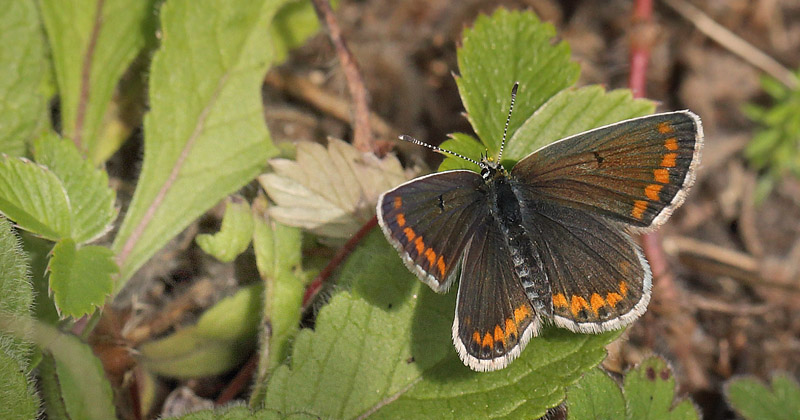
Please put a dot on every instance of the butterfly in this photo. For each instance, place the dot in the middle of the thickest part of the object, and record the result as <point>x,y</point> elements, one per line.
<point>551,238</point>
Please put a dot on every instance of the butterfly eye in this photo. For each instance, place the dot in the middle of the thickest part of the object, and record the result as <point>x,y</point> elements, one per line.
<point>485,172</point>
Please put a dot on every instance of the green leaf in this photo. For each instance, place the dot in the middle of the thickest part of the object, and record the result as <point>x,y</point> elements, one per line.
<point>236,412</point>
<point>205,135</point>
<point>23,68</point>
<point>17,397</point>
<point>384,349</point>
<point>234,236</point>
<point>92,44</point>
<point>75,384</point>
<point>572,112</point>
<point>650,392</point>
<point>596,396</point>
<point>753,400</point>
<point>80,278</point>
<point>218,342</point>
<point>38,253</point>
<point>16,290</point>
<point>278,254</point>
<point>34,198</point>
<point>499,50</point>
<point>91,199</point>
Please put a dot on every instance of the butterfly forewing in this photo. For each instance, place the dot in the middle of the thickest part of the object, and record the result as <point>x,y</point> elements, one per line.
<point>494,318</point>
<point>430,220</point>
<point>636,171</point>
<point>599,279</point>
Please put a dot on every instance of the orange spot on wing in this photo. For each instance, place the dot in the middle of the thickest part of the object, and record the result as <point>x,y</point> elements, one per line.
<point>612,299</point>
<point>623,288</point>
<point>521,313</point>
<point>661,175</point>
<point>560,300</point>
<point>431,255</point>
<point>476,337</point>
<point>401,220</point>
<point>488,341</point>
<point>410,235</point>
<point>420,245</point>
<point>511,328</point>
<point>669,160</point>
<point>578,304</point>
<point>441,265</point>
<point>597,302</point>
<point>398,202</point>
<point>652,191</point>
<point>639,206</point>
<point>665,128</point>
<point>498,334</point>
<point>671,144</point>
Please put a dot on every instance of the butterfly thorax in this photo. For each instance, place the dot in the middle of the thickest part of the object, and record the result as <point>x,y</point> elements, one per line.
<point>504,206</point>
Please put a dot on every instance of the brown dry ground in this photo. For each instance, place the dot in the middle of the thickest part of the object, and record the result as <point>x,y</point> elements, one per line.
<point>729,303</point>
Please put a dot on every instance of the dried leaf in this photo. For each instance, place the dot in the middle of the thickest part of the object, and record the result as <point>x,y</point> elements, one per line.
<point>331,192</point>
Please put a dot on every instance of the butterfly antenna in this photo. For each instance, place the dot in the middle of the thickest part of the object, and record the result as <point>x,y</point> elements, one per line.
<point>508,119</point>
<point>438,149</point>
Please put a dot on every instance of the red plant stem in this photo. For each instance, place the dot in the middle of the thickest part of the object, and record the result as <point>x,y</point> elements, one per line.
<point>640,57</point>
<point>362,133</point>
<point>640,47</point>
<point>313,288</point>
<point>239,382</point>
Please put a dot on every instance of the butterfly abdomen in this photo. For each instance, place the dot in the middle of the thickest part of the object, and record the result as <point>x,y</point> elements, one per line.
<point>505,208</point>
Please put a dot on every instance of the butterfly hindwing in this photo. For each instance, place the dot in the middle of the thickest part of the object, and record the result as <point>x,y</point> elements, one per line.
<point>429,220</point>
<point>636,171</point>
<point>599,279</point>
<point>494,318</point>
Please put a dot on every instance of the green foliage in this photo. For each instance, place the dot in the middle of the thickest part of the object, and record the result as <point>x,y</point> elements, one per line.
<point>91,201</point>
<point>752,400</point>
<point>23,68</point>
<point>109,42</point>
<point>214,345</point>
<point>775,147</point>
<point>499,50</point>
<point>234,236</point>
<point>17,398</point>
<point>648,392</point>
<point>80,278</point>
<point>205,135</point>
<point>74,384</point>
<point>278,255</point>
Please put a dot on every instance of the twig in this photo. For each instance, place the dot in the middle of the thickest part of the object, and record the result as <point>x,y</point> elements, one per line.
<point>714,259</point>
<point>733,42</point>
<point>362,133</point>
